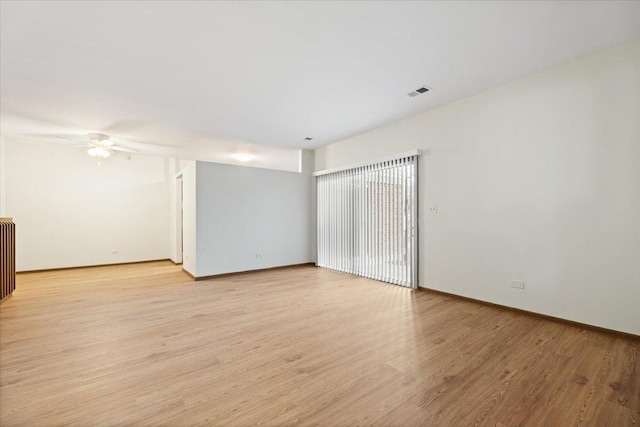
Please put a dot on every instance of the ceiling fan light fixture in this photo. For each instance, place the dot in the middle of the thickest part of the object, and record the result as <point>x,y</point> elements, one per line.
<point>99,152</point>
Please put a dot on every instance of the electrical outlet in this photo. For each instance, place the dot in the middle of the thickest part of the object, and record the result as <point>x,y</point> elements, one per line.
<point>518,284</point>
<point>258,255</point>
<point>433,209</point>
<point>115,252</point>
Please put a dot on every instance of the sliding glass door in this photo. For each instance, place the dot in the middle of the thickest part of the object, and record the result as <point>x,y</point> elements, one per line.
<point>367,220</point>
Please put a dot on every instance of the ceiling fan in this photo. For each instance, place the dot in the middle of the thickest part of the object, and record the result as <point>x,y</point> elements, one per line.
<point>101,146</point>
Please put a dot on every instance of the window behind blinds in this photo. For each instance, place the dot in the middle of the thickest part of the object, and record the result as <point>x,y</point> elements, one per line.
<point>367,221</point>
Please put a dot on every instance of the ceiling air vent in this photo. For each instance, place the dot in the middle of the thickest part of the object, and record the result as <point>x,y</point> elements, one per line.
<point>419,91</point>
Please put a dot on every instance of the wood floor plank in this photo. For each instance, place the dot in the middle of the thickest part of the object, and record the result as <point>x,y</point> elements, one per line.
<point>143,344</point>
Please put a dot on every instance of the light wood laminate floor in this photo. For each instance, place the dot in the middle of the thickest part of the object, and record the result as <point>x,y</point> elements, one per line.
<point>144,345</point>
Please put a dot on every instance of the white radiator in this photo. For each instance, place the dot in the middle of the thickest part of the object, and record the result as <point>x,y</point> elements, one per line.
<point>7,258</point>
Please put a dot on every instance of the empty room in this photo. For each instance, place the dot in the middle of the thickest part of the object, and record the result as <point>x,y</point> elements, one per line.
<point>320,213</point>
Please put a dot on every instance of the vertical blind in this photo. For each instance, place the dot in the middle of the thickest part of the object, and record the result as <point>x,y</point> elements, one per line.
<point>367,220</point>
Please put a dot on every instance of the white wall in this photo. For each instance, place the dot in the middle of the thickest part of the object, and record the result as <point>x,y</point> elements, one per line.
<point>537,180</point>
<point>69,211</point>
<point>243,211</point>
<point>189,258</point>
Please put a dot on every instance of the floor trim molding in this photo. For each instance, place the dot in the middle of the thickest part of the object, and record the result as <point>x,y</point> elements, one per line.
<point>90,266</point>
<point>627,335</point>
<point>259,270</point>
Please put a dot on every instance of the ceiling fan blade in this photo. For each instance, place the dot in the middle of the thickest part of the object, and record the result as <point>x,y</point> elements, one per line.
<point>124,126</point>
<point>141,144</point>
<point>53,137</point>
<point>123,149</point>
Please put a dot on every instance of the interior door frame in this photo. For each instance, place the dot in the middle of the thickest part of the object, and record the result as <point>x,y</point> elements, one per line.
<point>179,218</point>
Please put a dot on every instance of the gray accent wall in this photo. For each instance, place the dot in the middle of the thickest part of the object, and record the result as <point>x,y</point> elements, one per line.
<point>250,218</point>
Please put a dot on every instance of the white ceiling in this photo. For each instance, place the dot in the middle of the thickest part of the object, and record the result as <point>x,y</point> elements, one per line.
<point>218,77</point>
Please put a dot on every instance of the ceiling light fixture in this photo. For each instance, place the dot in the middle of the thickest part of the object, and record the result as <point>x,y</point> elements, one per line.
<point>99,152</point>
<point>243,157</point>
